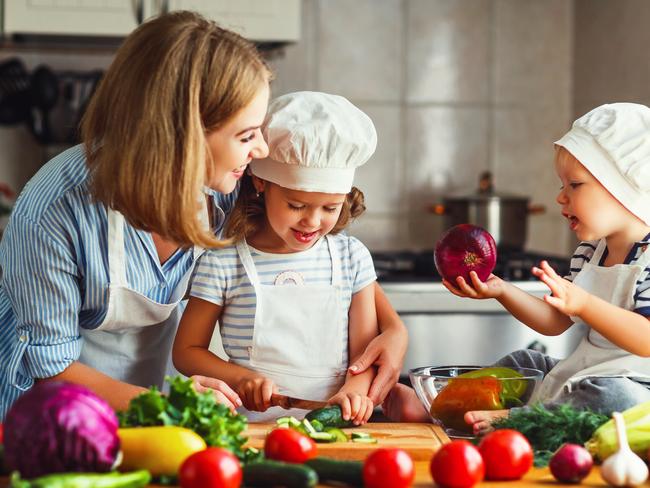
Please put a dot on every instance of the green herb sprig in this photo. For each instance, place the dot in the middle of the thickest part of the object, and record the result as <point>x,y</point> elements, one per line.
<point>547,429</point>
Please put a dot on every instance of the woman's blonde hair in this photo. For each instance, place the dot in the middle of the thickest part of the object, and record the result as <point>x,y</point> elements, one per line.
<point>175,79</point>
<point>249,213</point>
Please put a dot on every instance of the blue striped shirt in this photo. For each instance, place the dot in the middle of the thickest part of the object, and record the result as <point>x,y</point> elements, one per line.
<point>220,278</point>
<point>585,251</point>
<point>54,263</point>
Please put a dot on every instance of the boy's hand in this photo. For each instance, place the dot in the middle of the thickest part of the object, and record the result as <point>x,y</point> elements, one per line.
<point>255,392</point>
<point>566,297</point>
<point>492,288</point>
<point>354,406</point>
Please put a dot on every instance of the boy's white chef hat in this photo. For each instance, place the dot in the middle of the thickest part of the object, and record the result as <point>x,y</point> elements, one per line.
<point>316,141</point>
<point>613,143</point>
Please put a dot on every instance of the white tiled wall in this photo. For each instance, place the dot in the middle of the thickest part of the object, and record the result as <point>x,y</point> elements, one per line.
<point>454,87</point>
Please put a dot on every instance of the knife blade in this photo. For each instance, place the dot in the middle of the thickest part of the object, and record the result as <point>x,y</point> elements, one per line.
<point>288,402</point>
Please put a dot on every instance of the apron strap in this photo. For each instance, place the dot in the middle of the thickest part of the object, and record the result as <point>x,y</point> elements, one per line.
<point>116,262</point>
<point>601,247</point>
<point>336,260</point>
<point>247,260</point>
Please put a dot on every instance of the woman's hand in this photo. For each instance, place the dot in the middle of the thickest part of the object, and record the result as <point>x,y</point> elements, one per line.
<point>222,392</point>
<point>354,406</point>
<point>386,351</point>
<point>565,296</point>
<point>255,391</point>
<point>491,288</point>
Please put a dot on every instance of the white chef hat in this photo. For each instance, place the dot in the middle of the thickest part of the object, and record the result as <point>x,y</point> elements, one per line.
<point>316,141</point>
<point>613,143</point>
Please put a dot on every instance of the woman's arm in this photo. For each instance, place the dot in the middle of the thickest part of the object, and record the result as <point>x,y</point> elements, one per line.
<point>386,351</point>
<point>191,356</point>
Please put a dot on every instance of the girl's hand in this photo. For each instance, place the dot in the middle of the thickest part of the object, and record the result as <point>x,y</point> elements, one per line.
<point>492,288</point>
<point>255,391</point>
<point>566,297</point>
<point>222,392</point>
<point>354,406</point>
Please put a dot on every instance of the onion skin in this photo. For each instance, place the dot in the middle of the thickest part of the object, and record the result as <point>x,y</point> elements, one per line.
<point>465,248</point>
<point>571,463</point>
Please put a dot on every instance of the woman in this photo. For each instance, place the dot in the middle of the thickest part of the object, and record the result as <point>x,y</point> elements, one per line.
<point>102,241</point>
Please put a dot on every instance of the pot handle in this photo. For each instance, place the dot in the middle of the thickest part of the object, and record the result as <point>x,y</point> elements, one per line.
<point>536,209</point>
<point>437,209</point>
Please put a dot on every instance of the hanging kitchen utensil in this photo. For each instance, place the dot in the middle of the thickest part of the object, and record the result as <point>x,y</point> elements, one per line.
<point>44,96</point>
<point>505,216</point>
<point>15,99</point>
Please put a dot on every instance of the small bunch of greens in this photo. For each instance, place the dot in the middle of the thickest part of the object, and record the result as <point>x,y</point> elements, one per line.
<point>547,429</point>
<point>200,412</point>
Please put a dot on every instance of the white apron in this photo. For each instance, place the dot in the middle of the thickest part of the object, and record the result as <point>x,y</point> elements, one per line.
<point>134,341</point>
<point>596,356</point>
<point>297,336</point>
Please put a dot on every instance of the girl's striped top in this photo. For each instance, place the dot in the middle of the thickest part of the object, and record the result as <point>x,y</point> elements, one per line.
<point>54,263</point>
<point>584,253</point>
<point>220,278</point>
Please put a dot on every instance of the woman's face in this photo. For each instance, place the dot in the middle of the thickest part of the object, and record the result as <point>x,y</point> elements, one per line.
<point>237,142</point>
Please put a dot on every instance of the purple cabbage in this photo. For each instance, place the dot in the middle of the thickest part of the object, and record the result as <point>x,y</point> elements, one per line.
<point>60,427</point>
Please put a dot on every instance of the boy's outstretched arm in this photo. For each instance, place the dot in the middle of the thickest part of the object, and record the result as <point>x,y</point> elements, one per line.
<point>532,311</point>
<point>627,329</point>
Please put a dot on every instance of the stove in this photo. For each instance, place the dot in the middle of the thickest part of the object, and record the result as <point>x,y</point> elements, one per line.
<point>419,267</point>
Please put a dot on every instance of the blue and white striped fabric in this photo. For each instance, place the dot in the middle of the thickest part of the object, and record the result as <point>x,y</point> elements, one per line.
<point>54,263</point>
<point>220,278</point>
<point>585,252</point>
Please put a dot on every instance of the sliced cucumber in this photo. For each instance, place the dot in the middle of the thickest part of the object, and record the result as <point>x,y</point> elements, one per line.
<point>308,427</point>
<point>337,433</point>
<point>365,440</point>
<point>323,437</point>
<point>360,435</point>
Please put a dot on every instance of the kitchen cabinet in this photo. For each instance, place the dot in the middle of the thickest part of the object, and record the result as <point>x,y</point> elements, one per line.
<point>257,20</point>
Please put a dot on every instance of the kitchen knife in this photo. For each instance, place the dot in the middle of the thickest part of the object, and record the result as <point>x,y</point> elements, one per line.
<point>288,402</point>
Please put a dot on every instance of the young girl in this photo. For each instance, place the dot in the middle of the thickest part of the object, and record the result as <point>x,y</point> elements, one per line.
<point>294,296</point>
<point>603,164</point>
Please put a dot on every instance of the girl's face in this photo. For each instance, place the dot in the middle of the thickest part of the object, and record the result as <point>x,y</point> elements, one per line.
<point>592,211</point>
<point>295,220</point>
<point>237,142</point>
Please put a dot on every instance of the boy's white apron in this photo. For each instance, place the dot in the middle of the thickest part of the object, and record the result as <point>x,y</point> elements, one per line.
<point>596,356</point>
<point>133,343</point>
<point>297,336</point>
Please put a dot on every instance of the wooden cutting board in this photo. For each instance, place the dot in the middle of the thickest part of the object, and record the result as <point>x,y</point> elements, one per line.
<point>419,440</point>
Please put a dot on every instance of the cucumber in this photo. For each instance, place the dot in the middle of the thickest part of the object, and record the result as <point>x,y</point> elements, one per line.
<point>329,417</point>
<point>276,473</point>
<point>323,437</point>
<point>364,440</point>
<point>348,472</point>
<point>337,433</point>
<point>360,435</point>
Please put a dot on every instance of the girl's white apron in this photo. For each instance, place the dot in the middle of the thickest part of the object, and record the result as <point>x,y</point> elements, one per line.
<point>297,336</point>
<point>596,356</point>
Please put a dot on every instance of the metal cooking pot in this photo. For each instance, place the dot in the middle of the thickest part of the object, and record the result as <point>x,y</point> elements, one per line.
<point>502,215</point>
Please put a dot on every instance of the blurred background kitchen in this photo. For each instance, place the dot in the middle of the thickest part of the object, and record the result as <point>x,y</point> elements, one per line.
<point>456,88</point>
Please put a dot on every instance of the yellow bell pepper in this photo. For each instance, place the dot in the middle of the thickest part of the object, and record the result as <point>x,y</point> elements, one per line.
<point>160,450</point>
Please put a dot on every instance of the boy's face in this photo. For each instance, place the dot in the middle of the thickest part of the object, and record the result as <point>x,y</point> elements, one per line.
<point>237,142</point>
<point>593,213</point>
<point>295,220</point>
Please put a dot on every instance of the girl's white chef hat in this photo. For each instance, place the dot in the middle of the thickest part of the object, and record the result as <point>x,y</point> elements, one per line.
<point>613,143</point>
<point>316,141</point>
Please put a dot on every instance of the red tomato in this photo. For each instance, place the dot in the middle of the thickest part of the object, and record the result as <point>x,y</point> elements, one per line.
<point>457,465</point>
<point>290,446</point>
<point>388,468</point>
<point>211,468</point>
<point>507,455</point>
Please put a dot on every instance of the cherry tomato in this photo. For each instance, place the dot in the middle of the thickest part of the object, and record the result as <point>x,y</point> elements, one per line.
<point>388,468</point>
<point>507,455</point>
<point>457,465</point>
<point>290,446</point>
<point>213,467</point>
